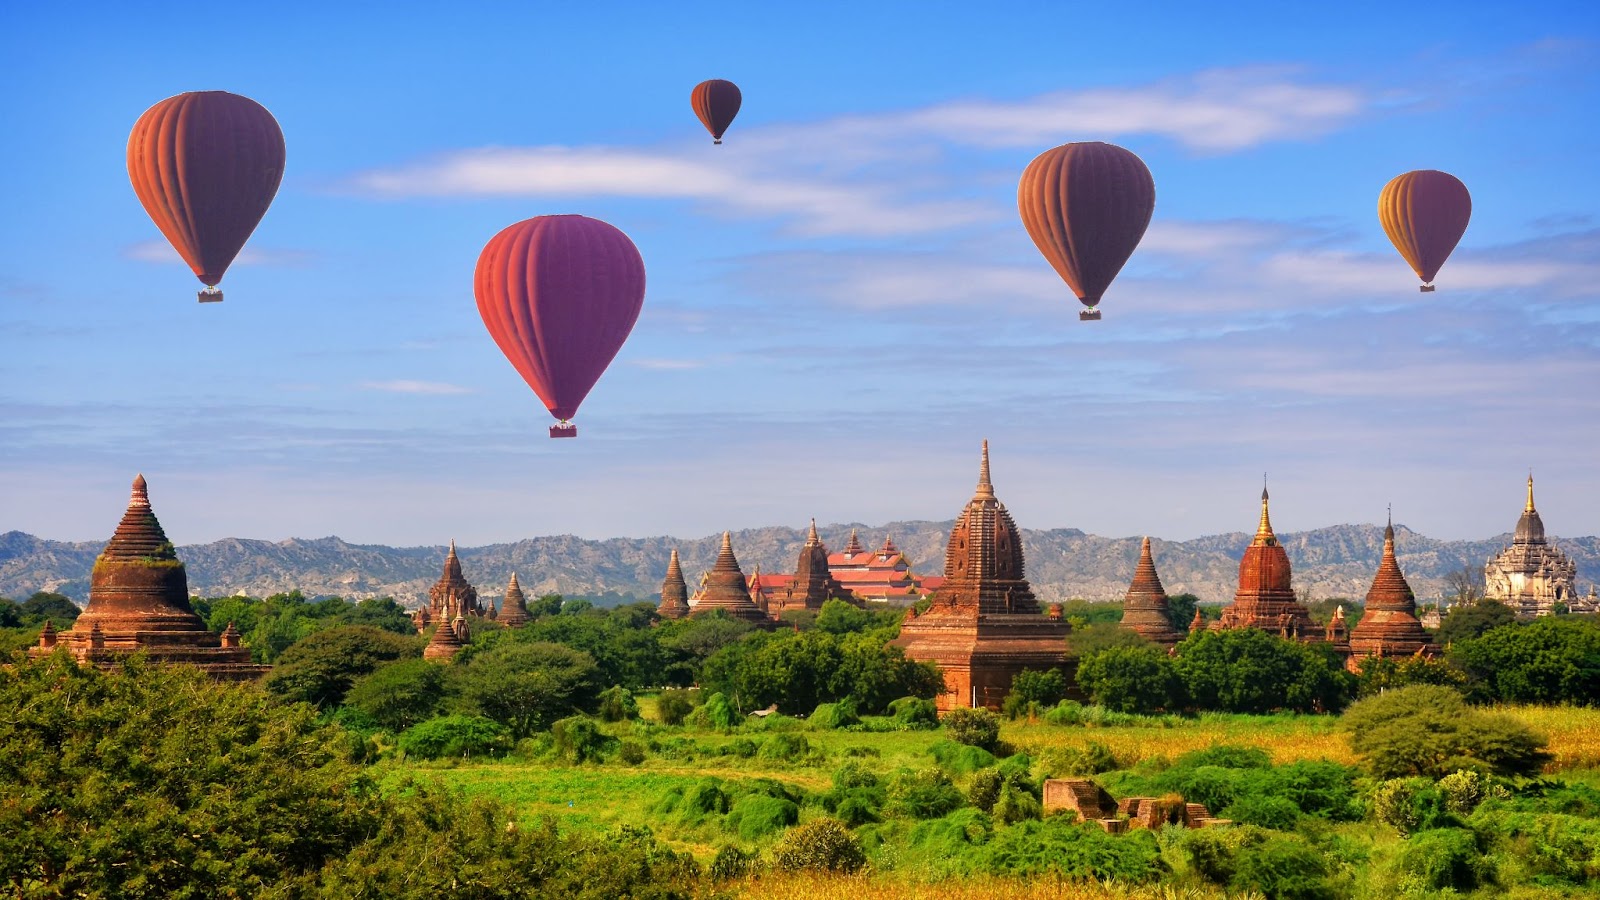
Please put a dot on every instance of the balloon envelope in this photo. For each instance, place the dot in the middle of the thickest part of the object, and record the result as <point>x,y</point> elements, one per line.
<point>1086,206</point>
<point>206,165</point>
<point>559,295</point>
<point>1425,213</point>
<point>716,102</point>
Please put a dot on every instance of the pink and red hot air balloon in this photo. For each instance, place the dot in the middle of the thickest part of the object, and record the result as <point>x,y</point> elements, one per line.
<point>1086,206</point>
<point>1425,213</point>
<point>716,102</point>
<point>559,295</point>
<point>206,165</point>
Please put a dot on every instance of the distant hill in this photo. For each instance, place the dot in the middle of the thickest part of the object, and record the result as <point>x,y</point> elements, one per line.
<point>1062,562</point>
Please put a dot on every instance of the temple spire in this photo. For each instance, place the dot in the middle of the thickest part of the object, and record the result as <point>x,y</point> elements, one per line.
<point>1264,533</point>
<point>141,496</point>
<point>811,536</point>
<point>1529,507</point>
<point>985,488</point>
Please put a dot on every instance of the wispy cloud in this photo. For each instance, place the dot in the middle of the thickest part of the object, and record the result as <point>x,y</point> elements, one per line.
<point>162,252</point>
<point>407,386</point>
<point>669,365</point>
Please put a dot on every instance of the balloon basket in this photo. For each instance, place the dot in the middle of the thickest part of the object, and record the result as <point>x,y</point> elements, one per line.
<point>210,295</point>
<point>1426,289</point>
<point>718,142</point>
<point>1089,315</point>
<point>564,430</point>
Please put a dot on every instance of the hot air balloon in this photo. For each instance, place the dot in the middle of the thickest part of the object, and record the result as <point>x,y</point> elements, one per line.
<point>1086,205</point>
<point>716,102</point>
<point>1425,213</point>
<point>206,165</point>
<point>559,295</point>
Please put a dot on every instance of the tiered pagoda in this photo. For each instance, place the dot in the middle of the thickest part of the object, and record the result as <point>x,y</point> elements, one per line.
<point>1145,610</point>
<point>813,583</point>
<point>514,608</point>
<point>674,592</point>
<point>1531,576</point>
<point>139,601</point>
<point>724,588</point>
<point>1389,627</point>
<point>1266,599</point>
<point>448,639</point>
<point>451,597</point>
<point>881,576</point>
<point>983,625</point>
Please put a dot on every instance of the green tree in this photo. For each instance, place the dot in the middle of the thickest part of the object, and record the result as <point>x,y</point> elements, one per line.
<point>1555,659</point>
<point>1180,610</point>
<point>1097,636</point>
<point>1378,674</point>
<point>321,668</point>
<point>1032,689</point>
<point>839,617</point>
<point>1468,621</point>
<point>527,686</point>
<point>400,694</point>
<point>973,727</point>
<point>1430,731</point>
<point>1132,679</point>
<point>58,608</point>
<point>1248,670</point>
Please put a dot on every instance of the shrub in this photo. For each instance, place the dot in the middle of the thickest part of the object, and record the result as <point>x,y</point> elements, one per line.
<point>1139,679</point>
<point>984,790</point>
<point>785,746</point>
<point>757,815</point>
<point>973,727</point>
<point>717,713</point>
<point>914,713</point>
<point>732,862</point>
<point>401,694</point>
<point>1464,790</point>
<point>579,740</point>
<point>1429,730</point>
<point>674,705</point>
<point>1091,759</point>
<point>1067,850</point>
<point>959,759</point>
<point>830,716</point>
<point>1410,805</point>
<point>1444,858</point>
<point>923,794</point>
<point>824,845</point>
<point>631,753</point>
<point>617,705</point>
<point>1033,689</point>
<point>455,737</point>
<point>1016,803</point>
<point>1266,811</point>
<point>1283,867</point>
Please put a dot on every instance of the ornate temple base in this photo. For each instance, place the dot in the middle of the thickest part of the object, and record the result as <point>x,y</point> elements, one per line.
<point>980,654</point>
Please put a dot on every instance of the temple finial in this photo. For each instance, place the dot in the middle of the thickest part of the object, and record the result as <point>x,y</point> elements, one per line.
<point>1264,533</point>
<point>452,546</point>
<point>1388,531</point>
<point>985,487</point>
<point>1529,507</point>
<point>811,536</point>
<point>141,495</point>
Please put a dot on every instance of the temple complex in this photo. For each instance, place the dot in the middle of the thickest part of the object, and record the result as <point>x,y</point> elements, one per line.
<point>674,592</point>
<point>1265,599</point>
<point>1145,610</point>
<point>139,601</point>
<point>514,608</point>
<point>1389,627</point>
<point>984,626</point>
<point>1531,576</point>
<point>881,576</point>
<point>724,588</point>
<point>451,596</point>
<point>811,585</point>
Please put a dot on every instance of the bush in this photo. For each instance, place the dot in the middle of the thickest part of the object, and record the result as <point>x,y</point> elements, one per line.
<point>973,727</point>
<point>959,759</point>
<point>923,794</point>
<point>1463,791</point>
<point>717,713</point>
<point>455,737</point>
<point>1266,811</point>
<point>674,705</point>
<point>1139,679</point>
<point>1091,759</point>
<point>1032,690</point>
<point>1430,731</point>
<point>984,791</point>
<point>1283,867</point>
<point>732,862</point>
<point>1250,671</point>
<point>1444,858</point>
<point>1063,849</point>
<point>821,846</point>
<point>617,705</point>
<point>631,753</point>
<point>785,747</point>
<point>1411,805</point>
<point>830,716</point>
<point>756,815</point>
<point>578,740</point>
<point>914,713</point>
<point>400,694</point>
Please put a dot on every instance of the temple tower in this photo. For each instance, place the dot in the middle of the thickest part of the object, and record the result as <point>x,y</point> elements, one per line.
<point>445,643</point>
<point>1266,599</point>
<point>1145,610</point>
<point>725,588</point>
<point>813,583</point>
<point>983,625</point>
<point>674,591</point>
<point>1531,576</point>
<point>514,608</point>
<point>1389,627</point>
<point>451,595</point>
<point>139,601</point>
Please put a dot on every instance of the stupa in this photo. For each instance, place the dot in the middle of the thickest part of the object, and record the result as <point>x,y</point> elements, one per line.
<point>724,588</point>
<point>1389,627</point>
<point>514,608</point>
<point>813,583</point>
<point>1145,610</point>
<point>1531,576</point>
<point>139,601</point>
<point>983,625</point>
<point>1265,598</point>
<point>451,595</point>
<point>674,591</point>
<point>445,643</point>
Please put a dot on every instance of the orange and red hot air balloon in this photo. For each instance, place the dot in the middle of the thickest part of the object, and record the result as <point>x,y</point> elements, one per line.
<point>206,165</point>
<point>559,295</point>
<point>1086,206</point>
<point>1425,213</point>
<point>716,102</point>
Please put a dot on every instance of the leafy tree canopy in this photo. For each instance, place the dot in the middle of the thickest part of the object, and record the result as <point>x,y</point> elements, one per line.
<point>1431,731</point>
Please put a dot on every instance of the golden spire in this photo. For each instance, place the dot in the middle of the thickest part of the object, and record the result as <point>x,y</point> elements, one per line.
<point>985,489</point>
<point>1264,533</point>
<point>1529,507</point>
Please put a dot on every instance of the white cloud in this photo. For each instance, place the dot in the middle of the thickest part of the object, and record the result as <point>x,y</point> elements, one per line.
<point>407,386</point>
<point>161,252</point>
<point>669,365</point>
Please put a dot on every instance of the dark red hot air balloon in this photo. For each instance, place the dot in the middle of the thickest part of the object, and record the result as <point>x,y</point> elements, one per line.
<point>559,295</point>
<point>206,165</point>
<point>716,102</point>
<point>1425,213</point>
<point>1086,206</point>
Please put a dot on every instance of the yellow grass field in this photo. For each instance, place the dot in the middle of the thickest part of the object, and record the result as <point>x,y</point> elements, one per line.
<point>810,887</point>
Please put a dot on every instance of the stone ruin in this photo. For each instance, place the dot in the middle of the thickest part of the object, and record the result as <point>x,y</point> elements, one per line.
<point>1091,803</point>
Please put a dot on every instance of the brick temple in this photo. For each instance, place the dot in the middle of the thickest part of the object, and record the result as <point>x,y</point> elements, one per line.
<point>984,625</point>
<point>1145,610</point>
<point>674,591</point>
<point>513,611</point>
<point>452,597</point>
<point>1389,627</point>
<point>811,585</point>
<point>139,602</point>
<point>1266,598</point>
<point>725,588</point>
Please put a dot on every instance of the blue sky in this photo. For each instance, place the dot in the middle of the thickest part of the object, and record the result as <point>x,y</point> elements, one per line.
<point>842,302</point>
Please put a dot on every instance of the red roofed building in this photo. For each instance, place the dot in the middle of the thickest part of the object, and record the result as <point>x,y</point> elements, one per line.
<point>880,576</point>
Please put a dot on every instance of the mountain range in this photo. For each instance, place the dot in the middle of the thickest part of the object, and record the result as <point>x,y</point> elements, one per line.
<point>1062,563</point>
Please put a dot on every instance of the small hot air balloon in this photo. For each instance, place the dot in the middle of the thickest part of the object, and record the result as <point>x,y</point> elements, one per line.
<point>716,102</point>
<point>559,295</point>
<point>206,165</point>
<point>1086,206</point>
<point>1425,213</point>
